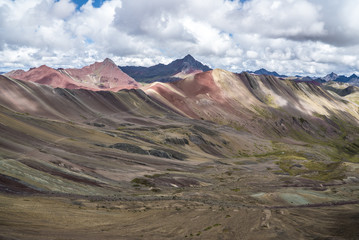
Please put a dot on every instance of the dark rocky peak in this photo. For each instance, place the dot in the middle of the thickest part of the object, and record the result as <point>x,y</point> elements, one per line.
<point>353,76</point>
<point>108,61</point>
<point>263,71</point>
<point>331,77</point>
<point>188,63</point>
<point>189,58</point>
<point>165,73</point>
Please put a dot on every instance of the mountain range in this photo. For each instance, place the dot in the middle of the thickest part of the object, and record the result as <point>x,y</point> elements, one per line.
<point>263,71</point>
<point>173,71</point>
<point>212,155</point>
<point>104,76</point>
<point>353,79</point>
<point>107,76</point>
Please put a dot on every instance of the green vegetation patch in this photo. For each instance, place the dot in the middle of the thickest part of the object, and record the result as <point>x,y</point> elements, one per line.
<point>313,169</point>
<point>283,154</point>
<point>344,150</point>
<point>210,227</point>
<point>262,112</point>
<point>235,189</point>
<point>143,181</point>
<point>207,228</point>
<point>157,175</point>
<point>325,171</point>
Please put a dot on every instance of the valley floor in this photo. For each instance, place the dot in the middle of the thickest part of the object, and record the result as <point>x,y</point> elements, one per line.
<point>126,166</point>
<point>246,199</point>
<point>62,218</point>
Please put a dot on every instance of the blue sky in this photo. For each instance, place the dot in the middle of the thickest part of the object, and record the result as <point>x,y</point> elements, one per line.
<point>95,3</point>
<point>292,37</point>
<point>98,3</point>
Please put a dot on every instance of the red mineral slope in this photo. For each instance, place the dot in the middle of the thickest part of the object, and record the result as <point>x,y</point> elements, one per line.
<point>73,104</point>
<point>45,75</point>
<point>105,76</point>
<point>257,103</point>
<point>198,96</point>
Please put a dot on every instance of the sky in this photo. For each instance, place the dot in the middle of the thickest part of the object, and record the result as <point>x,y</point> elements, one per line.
<point>293,37</point>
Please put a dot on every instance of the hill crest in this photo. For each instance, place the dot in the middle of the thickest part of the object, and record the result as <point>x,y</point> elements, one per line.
<point>97,76</point>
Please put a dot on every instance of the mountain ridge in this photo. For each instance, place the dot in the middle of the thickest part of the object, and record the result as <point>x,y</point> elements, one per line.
<point>353,79</point>
<point>235,99</point>
<point>176,70</point>
<point>214,145</point>
<point>173,71</point>
<point>97,76</point>
<point>263,71</point>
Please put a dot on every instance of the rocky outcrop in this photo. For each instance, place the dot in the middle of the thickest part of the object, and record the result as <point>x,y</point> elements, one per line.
<point>162,153</point>
<point>177,141</point>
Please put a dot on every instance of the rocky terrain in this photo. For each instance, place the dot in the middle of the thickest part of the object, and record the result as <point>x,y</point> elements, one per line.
<point>346,90</point>
<point>99,76</point>
<point>216,155</point>
<point>352,80</point>
<point>263,71</point>
<point>173,71</point>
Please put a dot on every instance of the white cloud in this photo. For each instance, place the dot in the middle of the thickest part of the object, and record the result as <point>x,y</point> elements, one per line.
<point>286,18</point>
<point>289,36</point>
<point>63,9</point>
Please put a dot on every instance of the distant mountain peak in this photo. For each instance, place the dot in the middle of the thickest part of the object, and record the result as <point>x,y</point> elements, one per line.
<point>352,79</point>
<point>264,71</point>
<point>330,77</point>
<point>175,70</point>
<point>187,65</point>
<point>42,67</point>
<point>97,76</point>
<point>108,61</point>
<point>189,57</point>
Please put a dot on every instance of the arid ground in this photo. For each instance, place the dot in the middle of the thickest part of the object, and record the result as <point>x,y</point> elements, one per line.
<point>77,164</point>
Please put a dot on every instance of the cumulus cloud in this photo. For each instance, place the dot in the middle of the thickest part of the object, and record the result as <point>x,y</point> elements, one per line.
<point>307,37</point>
<point>288,19</point>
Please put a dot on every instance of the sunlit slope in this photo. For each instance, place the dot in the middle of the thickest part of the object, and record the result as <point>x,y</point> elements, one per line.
<point>95,143</point>
<point>98,76</point>
<point>259,103</point>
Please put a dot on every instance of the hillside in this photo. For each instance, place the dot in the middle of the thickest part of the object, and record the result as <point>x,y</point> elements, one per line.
<point>346,90</point>
<point>261,104</point>
<point>216,155</point>
<point>98,76</point>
